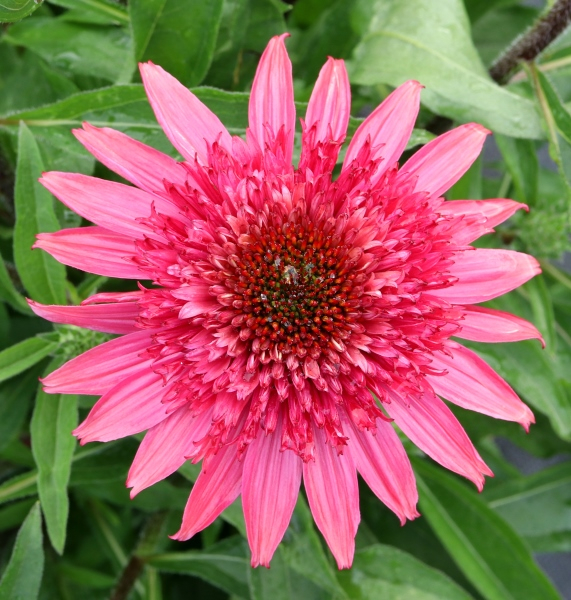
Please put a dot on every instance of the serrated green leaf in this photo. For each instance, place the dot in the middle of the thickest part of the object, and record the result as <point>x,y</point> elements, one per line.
<point>24,355</point>
<point>391,574</point>
<point>54,418</point>
<point>15,10</point>
<point>23,575</point>
<point>435,47</point>
<point>224,565</point>
<point>179,35</point>
<point>538,507</point>
<point>491,555</point>
<point>42,275</point>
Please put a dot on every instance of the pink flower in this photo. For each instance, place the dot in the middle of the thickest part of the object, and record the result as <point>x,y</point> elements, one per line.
<point>292,315</point>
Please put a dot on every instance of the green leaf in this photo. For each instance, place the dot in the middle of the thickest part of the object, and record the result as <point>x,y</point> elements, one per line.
<point>179,35</point>
<point>14,10</point>
<point>14,514</point>
<point>22,356</point>
<point>521,160</point>
<point>542,307</point>
<point>16,395</point>
<point>434,47</point>
<point>73,48</point>
<point>102,12</point>
<point>54,418</point>
<point>9,293</point>
<point>224,565</point>
<point>538,507</point>
<point>42,275</point>
<point>18,487</point>
<point>23,575</point>
<point>391,574</point>
<point>491,555</point>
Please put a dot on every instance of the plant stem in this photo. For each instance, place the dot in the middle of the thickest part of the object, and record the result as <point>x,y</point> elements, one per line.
<point>128,578</point>
<point>535,40</point>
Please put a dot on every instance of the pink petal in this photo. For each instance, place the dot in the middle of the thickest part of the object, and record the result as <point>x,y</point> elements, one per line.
<point>166,447</point>
<point>101,368</point>
<point>384,465</point>
<point>92,249</point>
<point>480,216</point>
<point>333,494</point>
<point>430,424</point>
<point>388,127</point>
<point>271,100</point>
<point>138,163</point>
<point>473,384</point>
<point>440,164</point>
<point>329,107</point>
<point>133,405</point>
<point>110,318</point>
<point>485,273</point>
<point>270,487</point>
<point>217,486</point>
<point>109,204</point>
<point>488,325</point>
<point>199,300</point>
<point>187,122</point>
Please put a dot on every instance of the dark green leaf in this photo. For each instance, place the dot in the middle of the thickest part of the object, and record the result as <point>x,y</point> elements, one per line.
<point>492,556</point>
<point>42,275</point>
<point>521,161</point>
<point>102,12</point>
<point>434,47</point>
<point>391,574</point>
<point>179,35</point>
<point>224,565</point>
<point>23,575</point>
<point>18,487</point>
<point>538,507</point>
<point>22,356</point>
<point>54,418</point>
<point>14,10</point>
<point>14,514</point>
<point>542,308</point>
<point>9,293</point>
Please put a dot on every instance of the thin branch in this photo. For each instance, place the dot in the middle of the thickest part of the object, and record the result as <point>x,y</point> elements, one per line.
<point>535,40</point>
<point>128,578</point>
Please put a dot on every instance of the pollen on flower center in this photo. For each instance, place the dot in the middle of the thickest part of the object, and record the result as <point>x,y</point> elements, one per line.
<point>295,290</point>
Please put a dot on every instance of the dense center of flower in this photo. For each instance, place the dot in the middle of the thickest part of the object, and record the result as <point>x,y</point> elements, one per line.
<point>295,289</point>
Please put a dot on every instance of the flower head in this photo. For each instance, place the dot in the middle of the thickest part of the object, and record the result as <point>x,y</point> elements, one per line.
<point>293,316</point>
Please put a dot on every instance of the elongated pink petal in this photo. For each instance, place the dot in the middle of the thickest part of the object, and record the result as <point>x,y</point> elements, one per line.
<point>109,204</point>
<point>217,486</point>
<point>333,494</point>
<point>110,318</point>
<point>430,424</point>
<point>329,106</point>
<point>138,163</point>
<point>133,405</point>
<point>93,249</point>
<point>485,273</point>
<point>101,368</point>
<point>187,122</point>
<point>270,487</point>
<point>199,300</point>
<point>440,164</point>
<point>488,325</point>
<point>473,384</point>
<point>165,447</point>
<point>388,127</point>
<point>271,100</point>
<point>384,465</point>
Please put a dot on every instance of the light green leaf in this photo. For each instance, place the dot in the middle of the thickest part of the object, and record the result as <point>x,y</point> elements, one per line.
<point>224,565</point>
<point>54,418</point>
<point>490,554</point>
<point>42,275</point>
<point>434,47</point>
<point>179,35</point>
<point>542,307</point>
<point>23,575</point>
<point>14,10</point>
<point>102,12</point>
<point>391,574</point>
<point>22,356</point>
<point>538,507</point>
<point>18,487</point>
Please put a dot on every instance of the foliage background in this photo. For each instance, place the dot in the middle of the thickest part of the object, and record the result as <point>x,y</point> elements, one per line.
<point>75,60</point>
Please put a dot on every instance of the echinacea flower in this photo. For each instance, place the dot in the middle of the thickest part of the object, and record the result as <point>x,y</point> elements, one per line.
<point>293,316</point>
